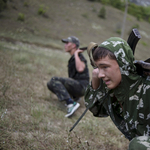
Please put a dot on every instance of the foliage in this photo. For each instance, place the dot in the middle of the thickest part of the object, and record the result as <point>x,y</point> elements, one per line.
<point>147,14</point>
<point>117,4</point>
<point>144,43</point>
<point>102,13</point>
<point>3,4</point>
<point>118,31</point>
<point>85,15</point>
<point>118,28</point>
<point>21,17</point>
<point>105,2</point>
<point>26,4</point>
<point>136,26</point>
<point>136,11</point>
<point>140,12</point>
<point>41,10</point>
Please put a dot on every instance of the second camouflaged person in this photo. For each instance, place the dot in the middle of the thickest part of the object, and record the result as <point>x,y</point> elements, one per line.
<point>69,89</point>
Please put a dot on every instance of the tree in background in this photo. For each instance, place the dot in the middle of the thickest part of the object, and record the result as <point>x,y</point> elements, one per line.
<point>140,12</point>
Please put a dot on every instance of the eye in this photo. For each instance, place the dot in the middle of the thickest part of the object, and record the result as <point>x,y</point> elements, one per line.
<point>105,67</point>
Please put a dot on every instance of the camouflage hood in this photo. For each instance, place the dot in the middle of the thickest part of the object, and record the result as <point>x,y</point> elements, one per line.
<point>128,105</point>
<point>125,59</point>
<point>123,53</point>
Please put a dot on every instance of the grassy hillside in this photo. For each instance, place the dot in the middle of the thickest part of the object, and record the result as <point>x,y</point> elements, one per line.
<point>32,117</point>
<point>64,18</point>
<point>31,53</point>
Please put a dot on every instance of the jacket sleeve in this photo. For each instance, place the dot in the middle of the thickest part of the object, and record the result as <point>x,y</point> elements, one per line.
<point>94,100</point>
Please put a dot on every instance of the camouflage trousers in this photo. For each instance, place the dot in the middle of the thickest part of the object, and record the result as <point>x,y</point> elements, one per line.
<point>66,88</point>
<point>140,143</point>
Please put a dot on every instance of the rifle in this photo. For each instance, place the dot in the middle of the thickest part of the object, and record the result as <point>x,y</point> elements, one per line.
<point>133,39</point>
<point>83,48</point>
<point>142,67</point>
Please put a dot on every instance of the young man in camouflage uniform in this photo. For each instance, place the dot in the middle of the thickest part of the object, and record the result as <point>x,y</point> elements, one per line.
<point>73,87</point>
<point>118,91</point>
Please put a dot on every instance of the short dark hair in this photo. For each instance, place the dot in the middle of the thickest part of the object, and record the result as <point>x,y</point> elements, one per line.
<point>101,52</point>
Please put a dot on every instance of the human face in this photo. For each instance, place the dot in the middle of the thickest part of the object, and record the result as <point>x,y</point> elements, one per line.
<point>69,46</point>
<point>109,71</point>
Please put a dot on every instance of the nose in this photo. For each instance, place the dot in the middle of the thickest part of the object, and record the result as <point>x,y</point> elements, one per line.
<point>101,74</point>
<point>65,46</point>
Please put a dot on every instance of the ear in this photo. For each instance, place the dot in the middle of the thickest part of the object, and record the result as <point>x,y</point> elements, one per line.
<point>74,45</point>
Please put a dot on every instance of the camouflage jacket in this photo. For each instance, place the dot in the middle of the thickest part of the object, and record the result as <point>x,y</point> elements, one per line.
<point>128,105</point>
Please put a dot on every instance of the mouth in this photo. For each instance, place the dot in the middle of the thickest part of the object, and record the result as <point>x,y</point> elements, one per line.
<point>107,81</point>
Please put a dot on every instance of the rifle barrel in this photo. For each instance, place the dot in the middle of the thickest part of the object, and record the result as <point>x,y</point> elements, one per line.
<point>83,48</point>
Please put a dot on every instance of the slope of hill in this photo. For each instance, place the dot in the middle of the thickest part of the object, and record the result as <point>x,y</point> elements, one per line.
<point>31,115</point>
<point>64,18</point>
<point>31,53</point>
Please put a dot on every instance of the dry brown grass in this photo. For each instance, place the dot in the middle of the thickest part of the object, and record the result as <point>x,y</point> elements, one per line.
<point>32,117</point>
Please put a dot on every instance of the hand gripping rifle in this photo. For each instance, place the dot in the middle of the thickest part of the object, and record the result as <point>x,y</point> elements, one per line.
<point>141,66</point>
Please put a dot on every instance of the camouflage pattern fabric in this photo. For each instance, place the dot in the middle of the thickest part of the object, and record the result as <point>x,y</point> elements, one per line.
<point>131,112</point>
<point>140,143</point>
<point>66,88</point>
<point>74,86</point>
